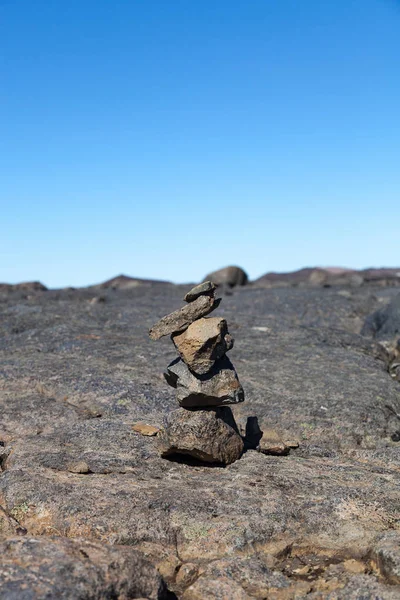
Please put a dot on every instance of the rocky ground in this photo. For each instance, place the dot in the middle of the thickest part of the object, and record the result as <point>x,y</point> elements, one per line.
<point>89,510</point>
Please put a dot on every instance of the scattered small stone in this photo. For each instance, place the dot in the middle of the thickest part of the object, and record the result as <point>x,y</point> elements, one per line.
<point>97,300</point>
<point>203,342</point>
<point>80,467</point>
<point>220,386</point>
<point>203,289</point>
<point>291,443</point>
<point>272,443</point>
<point>180,319</point>
<point>354,566</point>
<point>201,434</point>
<point>144,429</point>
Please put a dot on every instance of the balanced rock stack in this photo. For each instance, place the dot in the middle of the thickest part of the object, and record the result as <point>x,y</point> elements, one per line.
<point>204,379</point>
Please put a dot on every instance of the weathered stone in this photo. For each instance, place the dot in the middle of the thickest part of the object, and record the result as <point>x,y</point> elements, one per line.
<point>207,435</point>
<point>272,443</point>
<point>229,276</point>
<point>220,386</point>
<point>203,342</point>
<point>179,320</point>
<point>79,466</point>
<point>144,429</point>
<point>57,568</point>
<point>203,289</point>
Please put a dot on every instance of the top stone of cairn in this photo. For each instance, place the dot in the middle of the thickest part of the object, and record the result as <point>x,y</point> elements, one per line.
<point>203,289</point>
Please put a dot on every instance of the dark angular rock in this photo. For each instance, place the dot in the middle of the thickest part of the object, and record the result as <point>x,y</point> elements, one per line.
<point>179,320</point>
<point>203,342</point>
<point>384,323</point>
<point>207,435</point>
<point>203,289</point>
<point>220,386</point>
<point>57,568</point>
<point>229,276</point>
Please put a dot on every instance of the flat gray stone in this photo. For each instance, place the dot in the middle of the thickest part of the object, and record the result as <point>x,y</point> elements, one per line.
<point>180,319</point>
<point>203,342</point>
<point>207,435</point>
<point>205,288</point>
<point>220,386</point>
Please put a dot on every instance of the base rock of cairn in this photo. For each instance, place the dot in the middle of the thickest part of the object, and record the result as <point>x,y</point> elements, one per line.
<point>209,436</point>
<point>205,382</point>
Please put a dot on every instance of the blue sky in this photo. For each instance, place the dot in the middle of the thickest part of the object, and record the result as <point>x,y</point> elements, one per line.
<point>165,139</point>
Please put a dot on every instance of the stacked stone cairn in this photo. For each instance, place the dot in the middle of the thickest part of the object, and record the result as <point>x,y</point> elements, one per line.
<point>204,380</point>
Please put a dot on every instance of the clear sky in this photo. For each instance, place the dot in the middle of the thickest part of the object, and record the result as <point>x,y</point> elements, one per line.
<point>167,138</point>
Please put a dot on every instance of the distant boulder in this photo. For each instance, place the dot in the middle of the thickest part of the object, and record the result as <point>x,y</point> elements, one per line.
<point>26,286</point>
<point>123,282</point>
<point>312,276</point>
<point>291,278</point>
<point>229,276</point>
<point>330,276</point>
<point>385,322</point>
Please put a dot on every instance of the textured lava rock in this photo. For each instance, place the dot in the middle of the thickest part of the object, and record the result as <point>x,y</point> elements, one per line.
<point>207,435</point>
<point>229,276</point>
<point>219,386</point>
<point>58,568</point>
<point>180,319</point>
<point>203,342</point>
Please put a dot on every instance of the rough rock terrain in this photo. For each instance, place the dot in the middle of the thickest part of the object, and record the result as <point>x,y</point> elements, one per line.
<point>321,520</point>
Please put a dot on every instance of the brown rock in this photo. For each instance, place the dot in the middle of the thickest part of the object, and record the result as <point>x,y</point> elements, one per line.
<point>145,429</point>
<point>80,467</point>
<point>220,386</point>
<point>203,342</point>
<point>272,443</point>
<point>179,320</point>
<point>208,435</point>
<point>203,289</point>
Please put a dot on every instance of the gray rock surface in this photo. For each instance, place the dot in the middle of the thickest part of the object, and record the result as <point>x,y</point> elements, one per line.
<point>207,435</point>
<point>180,319</point>
<point>229,276</point>
<point>76,375</point>
<point>205,288</point>
<point>203,342</point>
<point>57,568</point>
<point>219,386</point>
